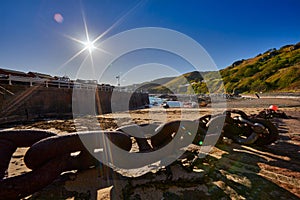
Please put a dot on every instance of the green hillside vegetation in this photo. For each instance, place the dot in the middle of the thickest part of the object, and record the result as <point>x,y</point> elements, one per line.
<point>272,71</point>
<point>180,83</point>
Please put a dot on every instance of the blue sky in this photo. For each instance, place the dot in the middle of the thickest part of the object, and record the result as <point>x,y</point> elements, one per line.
<point>229,30</point>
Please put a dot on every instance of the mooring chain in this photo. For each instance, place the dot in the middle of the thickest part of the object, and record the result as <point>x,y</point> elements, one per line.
<point>248,130</point>
<point>10,140</point>
<point>49,154</point>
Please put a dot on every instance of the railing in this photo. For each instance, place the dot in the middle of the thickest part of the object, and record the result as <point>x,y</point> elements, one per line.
<point>31,81</point>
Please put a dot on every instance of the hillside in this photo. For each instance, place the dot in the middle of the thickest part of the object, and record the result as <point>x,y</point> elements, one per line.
<point>151,85</point>
<point>271,71</point>
<point>274,70</point>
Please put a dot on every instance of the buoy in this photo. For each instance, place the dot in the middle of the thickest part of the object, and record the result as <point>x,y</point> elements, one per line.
<point>273,107</point>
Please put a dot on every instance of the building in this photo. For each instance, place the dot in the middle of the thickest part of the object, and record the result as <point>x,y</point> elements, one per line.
<point>40,75</point>
<point>9,72</point>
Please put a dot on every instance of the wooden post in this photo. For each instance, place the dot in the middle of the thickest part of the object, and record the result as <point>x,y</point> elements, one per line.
<point>9,79</point>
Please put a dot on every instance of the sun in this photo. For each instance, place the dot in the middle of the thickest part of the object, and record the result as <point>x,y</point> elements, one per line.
<point>90,46</point>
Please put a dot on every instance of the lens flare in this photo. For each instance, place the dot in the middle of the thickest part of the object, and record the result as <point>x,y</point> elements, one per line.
<point>58,18</point>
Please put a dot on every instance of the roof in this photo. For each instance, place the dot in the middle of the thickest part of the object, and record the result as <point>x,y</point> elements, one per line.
<point>12,72</point>
<point>40,75</point>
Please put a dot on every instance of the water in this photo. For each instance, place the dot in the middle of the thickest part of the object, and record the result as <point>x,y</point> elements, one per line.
<point>156,101</point>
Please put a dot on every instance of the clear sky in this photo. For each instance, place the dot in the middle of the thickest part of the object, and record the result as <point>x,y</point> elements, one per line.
<point>33,38</point>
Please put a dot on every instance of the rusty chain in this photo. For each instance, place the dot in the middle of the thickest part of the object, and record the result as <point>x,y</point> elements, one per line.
<point>49,154</point>
<point>46,166</point>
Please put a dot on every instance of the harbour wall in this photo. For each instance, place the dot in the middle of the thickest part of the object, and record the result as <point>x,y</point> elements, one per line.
<point>22,103</point>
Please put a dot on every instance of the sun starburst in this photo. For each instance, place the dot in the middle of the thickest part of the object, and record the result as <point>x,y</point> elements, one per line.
<point>93,45</point>
<point>87,45</point>
<point>90,46</point>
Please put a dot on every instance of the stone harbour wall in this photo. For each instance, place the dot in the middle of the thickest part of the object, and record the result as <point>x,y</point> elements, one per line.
<point>21,103</point>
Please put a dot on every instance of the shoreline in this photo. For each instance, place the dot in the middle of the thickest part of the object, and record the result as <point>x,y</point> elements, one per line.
<point>272,96</point>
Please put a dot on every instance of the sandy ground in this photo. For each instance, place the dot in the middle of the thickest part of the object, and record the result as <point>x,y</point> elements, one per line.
<point>266,172</point>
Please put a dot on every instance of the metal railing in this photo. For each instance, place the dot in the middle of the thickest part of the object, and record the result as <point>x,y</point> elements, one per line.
<point>33,81</point>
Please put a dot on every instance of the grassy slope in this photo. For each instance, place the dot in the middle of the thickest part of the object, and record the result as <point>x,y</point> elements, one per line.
<point>272,71</point>
<point>275,70</point>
